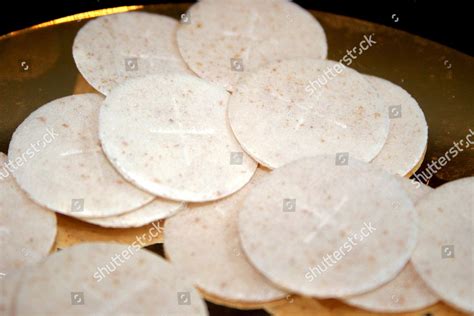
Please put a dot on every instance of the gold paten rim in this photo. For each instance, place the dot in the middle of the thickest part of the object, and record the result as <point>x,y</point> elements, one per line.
<point>75,17</point>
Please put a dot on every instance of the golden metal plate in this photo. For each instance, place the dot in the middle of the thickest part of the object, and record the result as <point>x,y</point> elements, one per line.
<point>36,66</point>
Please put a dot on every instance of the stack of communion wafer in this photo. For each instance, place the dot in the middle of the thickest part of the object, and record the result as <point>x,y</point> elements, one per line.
<point>276,193</point>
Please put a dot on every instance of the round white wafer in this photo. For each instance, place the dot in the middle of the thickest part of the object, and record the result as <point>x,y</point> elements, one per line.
<point>27,230</point>
<point>155,210</point>
<point>177,143</point>
<point>407,292</point>
<point>138,283</point>
<point>221,40</point>
<point>444,254</point>
<point>326,230</point>
<point>207,236</point>
<point>61,164</point>
<point>114,48</point>
<point>408,135</point>
<point>277,119</point>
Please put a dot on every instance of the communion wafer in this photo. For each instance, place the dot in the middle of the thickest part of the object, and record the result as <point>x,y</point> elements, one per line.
<point>155,210</point>
<point>177,144</point>
<point>213,242</point>
<point>445,248</point>
<point>221,40</point>
<point>114,48</point>
<point>407,292</point>
<point>322,229</point>
<point>84,280</point>
<point>61,164</point>
<point>408,135</point>
<point>278,117</point>
<point>27,230</point>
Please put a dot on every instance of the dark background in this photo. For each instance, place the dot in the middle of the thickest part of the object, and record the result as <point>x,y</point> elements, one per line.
<point>446,22</point>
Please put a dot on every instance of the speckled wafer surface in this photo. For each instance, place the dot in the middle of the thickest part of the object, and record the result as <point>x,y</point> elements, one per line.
<point>27,230</point>
<point>407,292</point>
<point>221,40</point>
<point>8,289</point>
<point>155,210</point>
<point>84,280</point>
<point>278,117</point>
<point>62,164</point>
<point>443,256</point>
<point>114,48</point>
<point>177,143</point>
<point>213,243</point>
<point>327,230</point>
<point>408,135</point>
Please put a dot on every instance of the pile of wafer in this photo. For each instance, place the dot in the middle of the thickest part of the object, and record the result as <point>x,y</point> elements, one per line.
<point>280,186</point>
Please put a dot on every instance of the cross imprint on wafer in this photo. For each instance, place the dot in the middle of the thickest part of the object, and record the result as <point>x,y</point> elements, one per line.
<point>236,64</point>
<point>183,132</point>
<point>324,219</point>
<point>306,109</point>
<point>184,298</point>
<point>96,151</point>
